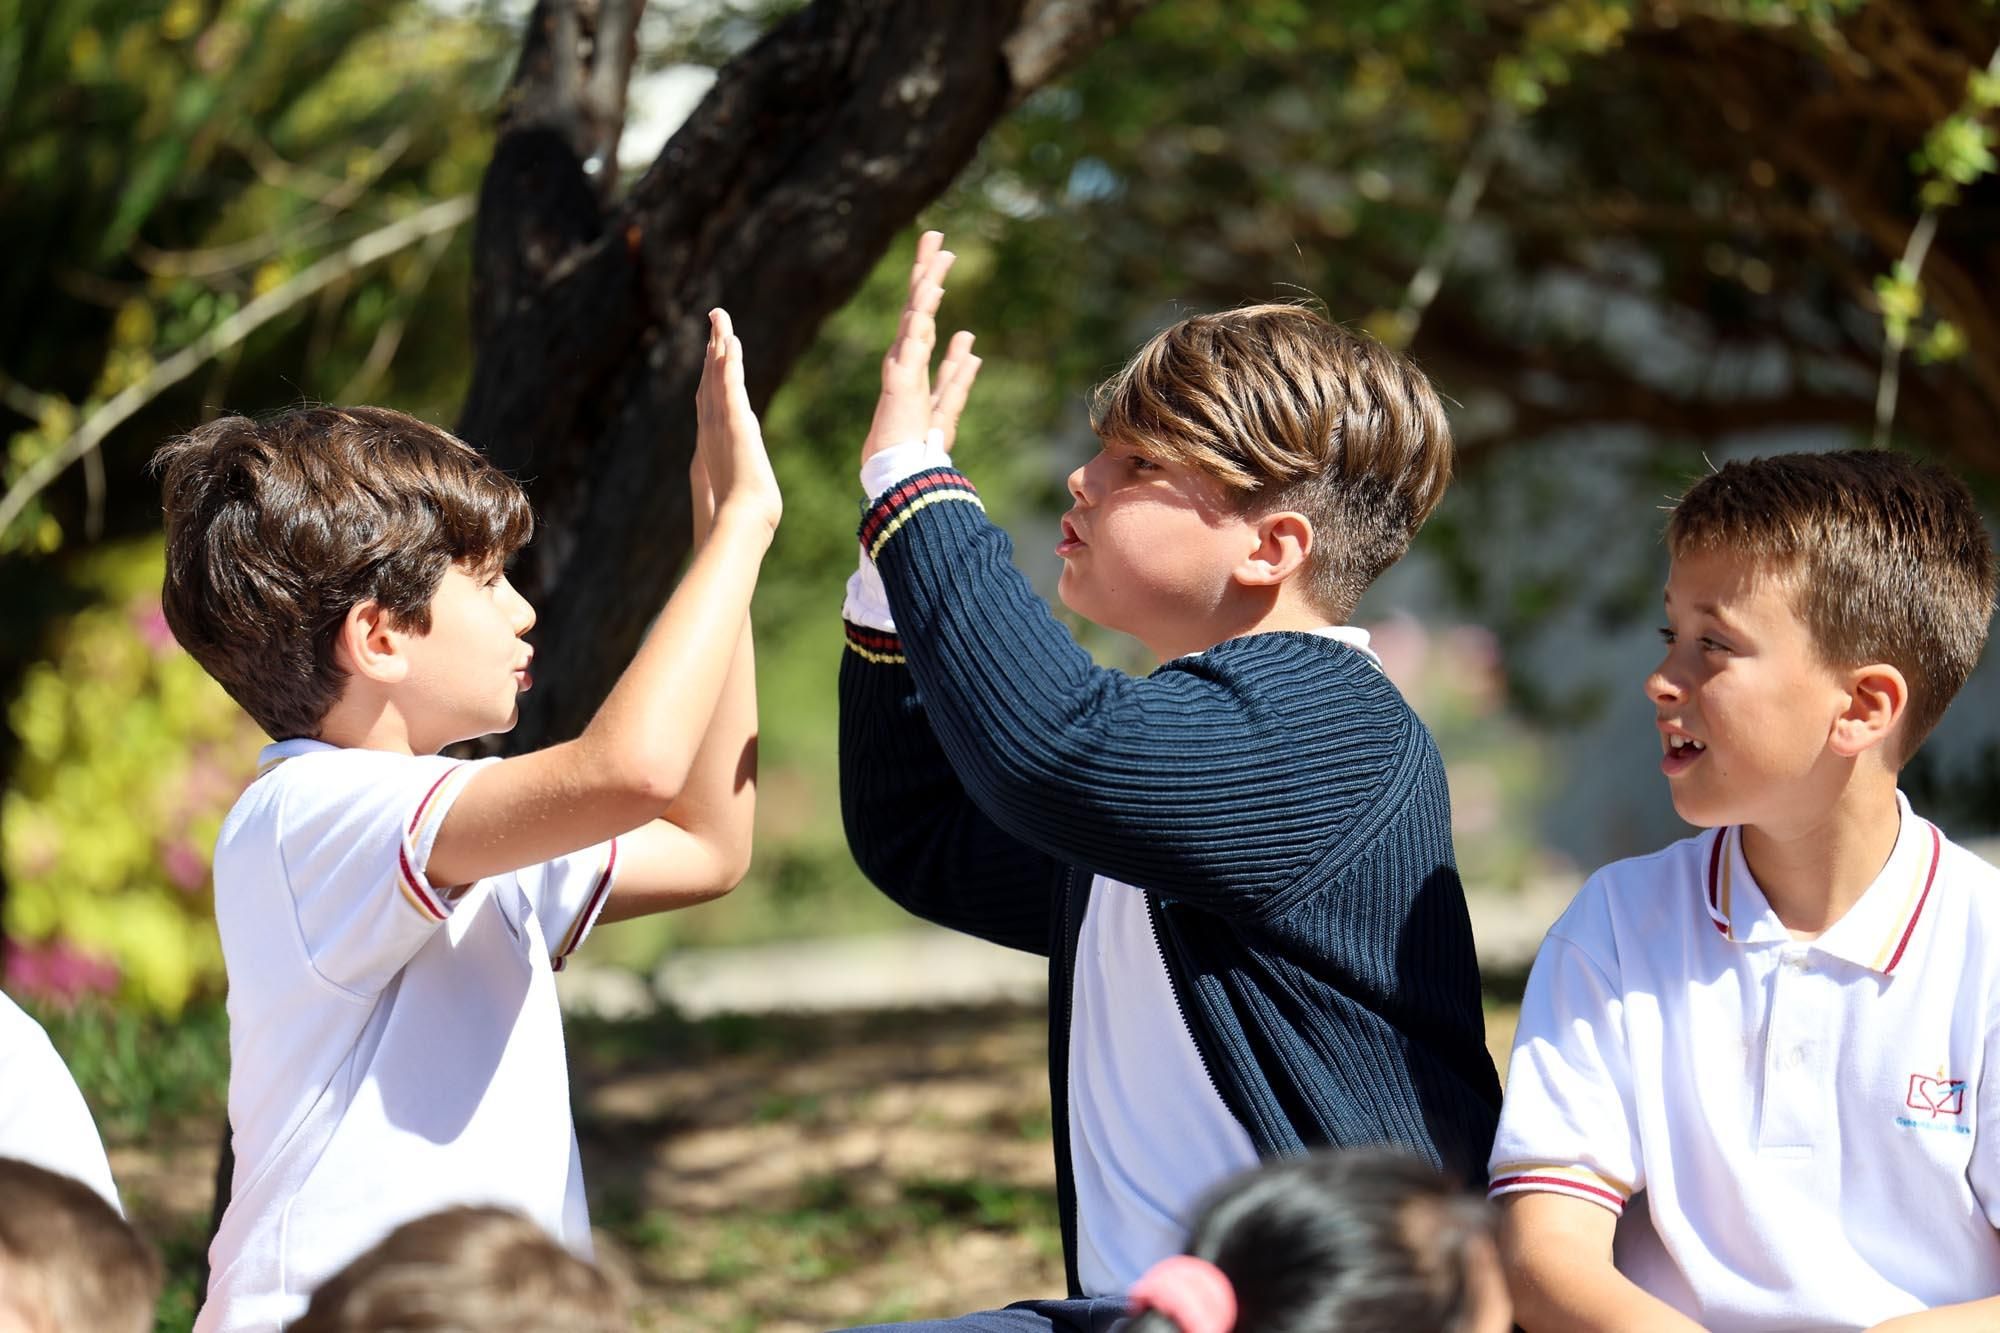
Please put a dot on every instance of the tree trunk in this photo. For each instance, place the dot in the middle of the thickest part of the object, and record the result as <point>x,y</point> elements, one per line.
<point>814,149</point>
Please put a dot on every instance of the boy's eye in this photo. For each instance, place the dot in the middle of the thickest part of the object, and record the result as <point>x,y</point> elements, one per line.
<point>1666,636</point>
<point>1141,463</point>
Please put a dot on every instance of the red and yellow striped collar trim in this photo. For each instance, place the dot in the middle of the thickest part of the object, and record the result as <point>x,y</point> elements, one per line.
<point>1882,948</point>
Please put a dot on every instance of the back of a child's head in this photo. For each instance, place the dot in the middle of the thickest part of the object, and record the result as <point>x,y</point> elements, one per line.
<point>68,1261</point>
<point>276,529</point>
<point>1289,411</point>
<point>1886,556</point>
<point>467,1270</point>
<point>1356,1241</point>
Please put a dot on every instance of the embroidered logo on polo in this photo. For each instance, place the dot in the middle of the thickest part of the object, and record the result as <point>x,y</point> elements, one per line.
<point>1935,1099</point>
<point>1939,1096</point>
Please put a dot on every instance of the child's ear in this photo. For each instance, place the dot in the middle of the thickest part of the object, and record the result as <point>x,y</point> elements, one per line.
<point>1284,541</point>
<point>369,646</point>
<point>1877,697</point>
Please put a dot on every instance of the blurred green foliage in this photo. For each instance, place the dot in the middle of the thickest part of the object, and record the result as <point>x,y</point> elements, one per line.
<point>166,161</point>
<point>129,755</point>
<point>163,163</point>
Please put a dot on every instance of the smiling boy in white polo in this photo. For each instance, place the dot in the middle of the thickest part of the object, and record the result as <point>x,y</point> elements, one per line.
<point>1756,1082</point>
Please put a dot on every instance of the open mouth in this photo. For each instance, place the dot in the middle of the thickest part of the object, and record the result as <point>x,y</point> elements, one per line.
<point>1070,542</point>
<point>1682,754</point>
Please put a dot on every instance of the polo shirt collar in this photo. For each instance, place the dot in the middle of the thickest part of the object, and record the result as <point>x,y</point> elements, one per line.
<point>1874,933</point>
<point>1353,636</point>
<point>278,752</point>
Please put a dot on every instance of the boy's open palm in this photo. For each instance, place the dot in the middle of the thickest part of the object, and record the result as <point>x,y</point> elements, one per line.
<point>910,407</point>
<point>729,443</point>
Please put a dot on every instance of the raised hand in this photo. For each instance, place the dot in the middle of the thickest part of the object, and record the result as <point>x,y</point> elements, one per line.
<point>729,444</point>
<point>909,408</point>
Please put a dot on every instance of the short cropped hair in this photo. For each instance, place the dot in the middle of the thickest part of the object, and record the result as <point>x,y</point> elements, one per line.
<point>68,1261</point>
<point>1887,556</point>
<point>1291,411</point>
<point>276,529</point>
<point>467,1270</point>
<point>1367,1240</point>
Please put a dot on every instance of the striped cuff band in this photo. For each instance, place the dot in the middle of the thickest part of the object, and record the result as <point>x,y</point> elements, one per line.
<point>901,502</point>
<point>872,645</point>
<point>1575,1181</point>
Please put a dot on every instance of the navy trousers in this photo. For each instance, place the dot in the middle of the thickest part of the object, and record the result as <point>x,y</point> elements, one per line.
<point>1090,1315</point>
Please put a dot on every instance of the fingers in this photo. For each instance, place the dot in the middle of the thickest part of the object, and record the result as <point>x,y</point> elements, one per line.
<point>954,384</point>
<point>957,352</point>
<point>928,247</point>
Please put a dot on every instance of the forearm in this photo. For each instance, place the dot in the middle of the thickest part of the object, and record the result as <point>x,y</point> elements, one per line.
<point>909,823</point>
<point>1970,1317</point>
<point>1590,1298</point>
<point>1557,1252</point>
<point>647,734</point>
<point>718,803</point>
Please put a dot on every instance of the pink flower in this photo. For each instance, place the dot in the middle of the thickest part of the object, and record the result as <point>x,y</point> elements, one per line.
<point>57,971</point>
<point>1403,644</point>
<point>183,866</point>
<point>151,623</point>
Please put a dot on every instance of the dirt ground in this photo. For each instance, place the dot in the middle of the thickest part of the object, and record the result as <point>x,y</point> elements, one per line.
<point>780,1174</point>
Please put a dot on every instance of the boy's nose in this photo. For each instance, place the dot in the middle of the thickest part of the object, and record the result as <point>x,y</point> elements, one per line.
<point>521,615</point>
<point>1075,484</point>
<point>1660,688</point>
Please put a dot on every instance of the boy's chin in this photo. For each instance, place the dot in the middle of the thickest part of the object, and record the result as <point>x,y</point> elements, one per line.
<point>1693,809</point>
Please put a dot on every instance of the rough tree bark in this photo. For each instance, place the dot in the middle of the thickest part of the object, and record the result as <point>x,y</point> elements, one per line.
<point>777,197</point>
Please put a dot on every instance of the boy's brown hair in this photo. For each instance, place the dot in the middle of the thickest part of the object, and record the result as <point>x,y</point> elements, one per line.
<point>467,1270</point>
<point>1887,556</point>
<point>276,529</point>
<point>68,1261</point>
<point>1291,411</point>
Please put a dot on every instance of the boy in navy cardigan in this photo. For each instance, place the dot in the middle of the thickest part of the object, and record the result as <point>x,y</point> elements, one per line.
<point>1240,866</point>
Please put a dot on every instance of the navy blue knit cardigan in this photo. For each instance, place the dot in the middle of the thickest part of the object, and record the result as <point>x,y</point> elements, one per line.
<point>1281,805</point>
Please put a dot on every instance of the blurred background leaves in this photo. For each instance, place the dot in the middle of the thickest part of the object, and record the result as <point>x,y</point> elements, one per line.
<point>1655,234</point>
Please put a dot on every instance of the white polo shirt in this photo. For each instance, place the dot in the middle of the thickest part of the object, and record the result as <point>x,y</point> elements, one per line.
<point>43,1119</point>
<point>1808,1133</point>
<point>392,1050</point>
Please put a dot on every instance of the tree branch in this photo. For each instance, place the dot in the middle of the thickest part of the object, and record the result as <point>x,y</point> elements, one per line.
<point>776,198</point>
<point>378,244</point>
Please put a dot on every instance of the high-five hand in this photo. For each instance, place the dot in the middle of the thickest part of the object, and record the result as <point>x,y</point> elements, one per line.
<point>909,407</point>
<point>729,444</point>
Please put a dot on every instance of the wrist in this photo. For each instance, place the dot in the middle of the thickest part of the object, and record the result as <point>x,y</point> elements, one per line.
<point>742,522</point>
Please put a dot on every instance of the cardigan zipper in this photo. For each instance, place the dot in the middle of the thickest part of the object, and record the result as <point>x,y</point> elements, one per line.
<point>1180,1007</point>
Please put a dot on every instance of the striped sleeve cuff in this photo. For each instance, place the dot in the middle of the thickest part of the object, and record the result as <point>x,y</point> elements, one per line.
<point>593,907</point>
<point>887,513</point>
<point>1578,1182</point>
<point>429,903</point>
<point>872,645</point>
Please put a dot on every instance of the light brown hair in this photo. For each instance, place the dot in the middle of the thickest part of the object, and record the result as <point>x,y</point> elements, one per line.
<point>1291,411</point>
<point>276,529</point>
<point>467,1270</point>
<point>1887,556</point>
<point>68,1261</point>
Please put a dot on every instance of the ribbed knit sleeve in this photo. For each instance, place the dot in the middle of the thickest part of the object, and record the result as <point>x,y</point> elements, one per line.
<point>912,828</point>
<point>1218,780</point>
